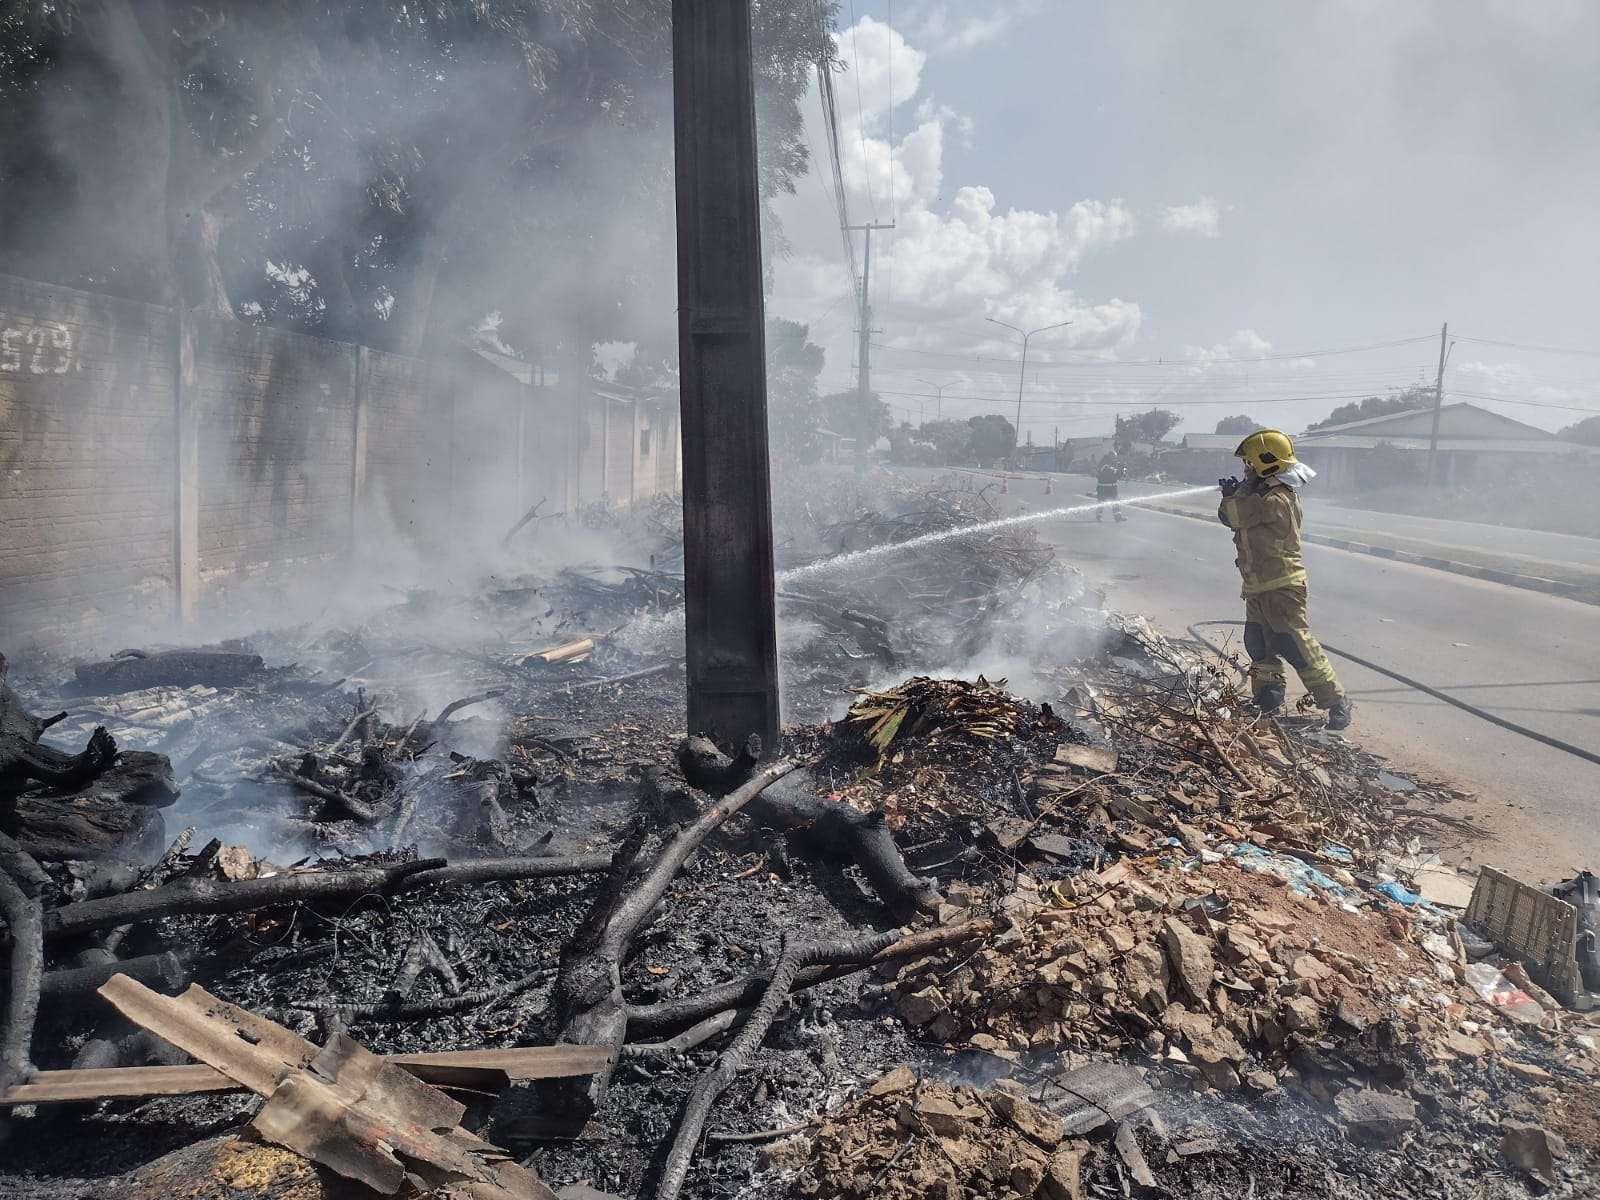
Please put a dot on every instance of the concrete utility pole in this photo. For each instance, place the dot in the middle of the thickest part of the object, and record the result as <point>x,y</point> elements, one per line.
<point>1022,375</point>
<point>864,349</point>
<point>938,411</point>
<point>730,623</point>
<point>1438,402</point>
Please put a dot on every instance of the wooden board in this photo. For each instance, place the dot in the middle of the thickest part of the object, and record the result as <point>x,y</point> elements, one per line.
<point>483,1070</point>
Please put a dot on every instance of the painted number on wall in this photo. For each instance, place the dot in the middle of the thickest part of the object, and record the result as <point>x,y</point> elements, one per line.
<point>38,349</point>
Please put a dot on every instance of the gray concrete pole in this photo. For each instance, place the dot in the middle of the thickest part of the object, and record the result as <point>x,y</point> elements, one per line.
<point>731,628</point>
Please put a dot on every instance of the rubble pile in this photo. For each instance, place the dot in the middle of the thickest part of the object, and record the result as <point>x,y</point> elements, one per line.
<point>1217,972</point>
<point>916,1137</point>
<point>465,827</point>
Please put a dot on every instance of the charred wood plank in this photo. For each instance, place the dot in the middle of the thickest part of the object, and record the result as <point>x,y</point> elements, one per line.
<point>453,1068</point>
<point>134,672</point>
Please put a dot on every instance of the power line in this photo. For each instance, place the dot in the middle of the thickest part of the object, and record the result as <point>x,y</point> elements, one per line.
<point>1186,363</point>
<point>861,114</point>
<point>1526,346</point>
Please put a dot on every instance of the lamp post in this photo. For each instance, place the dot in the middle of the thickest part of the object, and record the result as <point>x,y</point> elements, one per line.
<point>1022,376</point>
<point>938,412</point>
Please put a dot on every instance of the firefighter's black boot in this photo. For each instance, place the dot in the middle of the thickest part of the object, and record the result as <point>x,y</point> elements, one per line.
<point>1340,714</point>
<point>1270,699</point>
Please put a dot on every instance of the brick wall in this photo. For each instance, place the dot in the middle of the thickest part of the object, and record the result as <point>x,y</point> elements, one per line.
<point>276,415</point>
<point>115,513</point>
<point>86,453</point>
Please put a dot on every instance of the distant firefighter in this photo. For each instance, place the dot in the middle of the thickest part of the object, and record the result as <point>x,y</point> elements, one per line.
<point>1111,470</point>
<point>1264,513</point>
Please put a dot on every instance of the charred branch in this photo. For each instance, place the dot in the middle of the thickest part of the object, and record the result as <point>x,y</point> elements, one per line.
<point>588,996</point>
<point>828,961</point>
<point>728,1065</point>
<point>21,883</point>
<point>794,805</point>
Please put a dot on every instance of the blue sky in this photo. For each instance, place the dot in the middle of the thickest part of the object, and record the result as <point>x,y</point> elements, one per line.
<point>1209,190</point>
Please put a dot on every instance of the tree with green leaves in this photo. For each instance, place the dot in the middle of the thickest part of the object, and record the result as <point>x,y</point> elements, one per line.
<point>367,169</point>
<point>1150,426</point>
<point>991,438</point>
<point>794,411</point>
<point>1240,426</point>
<point>1585,432</point>
<point>1405,400</point>
<point>848,415</point>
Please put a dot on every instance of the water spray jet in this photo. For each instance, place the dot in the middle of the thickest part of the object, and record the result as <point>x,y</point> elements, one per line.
<point>852,557</point>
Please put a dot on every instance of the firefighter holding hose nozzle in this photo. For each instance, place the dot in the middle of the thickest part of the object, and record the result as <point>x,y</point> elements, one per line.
<point>1263,510</point>
<point>1106,486</point>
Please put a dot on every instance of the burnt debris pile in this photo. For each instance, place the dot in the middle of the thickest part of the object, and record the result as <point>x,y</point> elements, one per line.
<point>439,899</point>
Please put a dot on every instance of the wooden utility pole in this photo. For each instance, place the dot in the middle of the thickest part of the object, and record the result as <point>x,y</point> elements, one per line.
<point>1438,402</point>
<point>730,624</point>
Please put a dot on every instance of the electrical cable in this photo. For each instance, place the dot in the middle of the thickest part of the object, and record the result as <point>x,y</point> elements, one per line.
<point>1472,709</point>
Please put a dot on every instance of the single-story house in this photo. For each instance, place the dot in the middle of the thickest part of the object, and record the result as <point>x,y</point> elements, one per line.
<point>1474,444</point>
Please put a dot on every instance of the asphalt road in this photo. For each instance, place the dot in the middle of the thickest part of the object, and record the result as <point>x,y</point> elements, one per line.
<point>1528,657</point>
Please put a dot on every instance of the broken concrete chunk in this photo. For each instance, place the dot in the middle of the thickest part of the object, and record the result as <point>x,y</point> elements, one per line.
<point>1308,968</point>
<point>919,1008</point>
<point>897,1080</point>
<point>1063,1178</point>
<point>1380,1118</point>
<point>1190,956</point>
<point>1133,1157</point>
<point>942,1116</point>
<point>1028,1118</point>
<point>1301,1015</point>
<point>1533,1148</point>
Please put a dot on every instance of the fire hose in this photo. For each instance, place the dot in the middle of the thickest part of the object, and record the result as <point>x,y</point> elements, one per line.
<point>1534,734</point>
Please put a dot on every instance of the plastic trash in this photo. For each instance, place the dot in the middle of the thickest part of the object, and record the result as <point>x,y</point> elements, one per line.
<point>1439,946</point>
<point>1338,853</point>
<point>1398,894</point>
<point>1301,877</point>
<point>1502,995</point>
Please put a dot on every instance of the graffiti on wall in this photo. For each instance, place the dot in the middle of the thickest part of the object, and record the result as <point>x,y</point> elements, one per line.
<point>38,349</point>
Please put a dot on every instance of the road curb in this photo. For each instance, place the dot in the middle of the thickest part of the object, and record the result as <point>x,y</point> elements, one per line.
<point>1531,583</point>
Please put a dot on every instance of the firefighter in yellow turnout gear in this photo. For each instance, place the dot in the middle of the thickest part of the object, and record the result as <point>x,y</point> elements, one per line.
<point>1264,513</point>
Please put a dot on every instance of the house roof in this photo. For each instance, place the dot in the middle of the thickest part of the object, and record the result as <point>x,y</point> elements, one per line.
<point>1458,422</point>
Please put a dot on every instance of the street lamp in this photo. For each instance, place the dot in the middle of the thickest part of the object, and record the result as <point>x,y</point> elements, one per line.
<point>938,412</point>
<point>1023,375</point>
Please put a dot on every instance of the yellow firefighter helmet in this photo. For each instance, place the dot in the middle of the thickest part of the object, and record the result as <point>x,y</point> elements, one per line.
<point>1267,451</point>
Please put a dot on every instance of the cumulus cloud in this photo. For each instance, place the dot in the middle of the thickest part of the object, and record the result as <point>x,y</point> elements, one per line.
<point>1202,218</point>
<point>950,29</point>
<point>956,255</point>
<point>1245,352</point>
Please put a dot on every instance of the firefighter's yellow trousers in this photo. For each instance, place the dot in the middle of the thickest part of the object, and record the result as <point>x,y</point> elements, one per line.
<point>1276,628</point>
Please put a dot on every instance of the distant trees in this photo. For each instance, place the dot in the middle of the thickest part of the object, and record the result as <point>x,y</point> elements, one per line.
<point>1405,400</point>
<point>794,410</point>
<point>993,438</point>
<point>977,440</point>
<point>1241,426</point>
<point>1149,426</point>
<point>845,413</point>
<point>1586,432</point>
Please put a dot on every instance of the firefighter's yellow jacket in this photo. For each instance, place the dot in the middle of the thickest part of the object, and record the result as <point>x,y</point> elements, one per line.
<point>1265,519</point>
